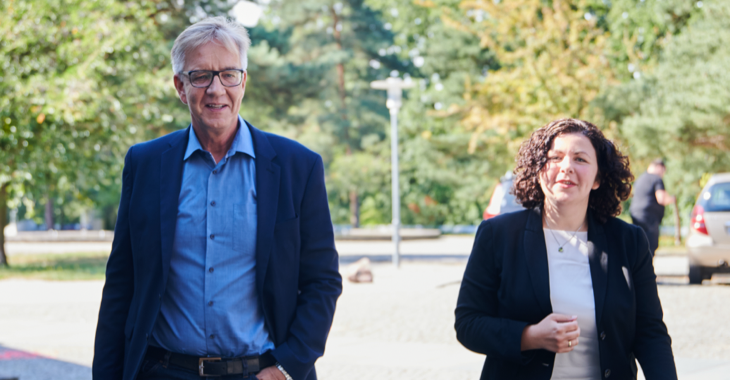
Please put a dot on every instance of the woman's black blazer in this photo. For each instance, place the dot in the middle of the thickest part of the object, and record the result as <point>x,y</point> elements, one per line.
<point>506,288</point>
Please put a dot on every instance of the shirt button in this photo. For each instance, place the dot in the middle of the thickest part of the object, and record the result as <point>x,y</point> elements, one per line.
<point>212,203</point>
<point>212,336</point>
<point>211,269</point>
<point>603,335</point>
<point>210,303</point>
<point>607,373</point>
<point>215,171</point>
<point>212,236</point>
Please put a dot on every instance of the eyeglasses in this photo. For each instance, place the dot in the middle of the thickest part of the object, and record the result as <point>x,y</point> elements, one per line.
<point>203,78</point>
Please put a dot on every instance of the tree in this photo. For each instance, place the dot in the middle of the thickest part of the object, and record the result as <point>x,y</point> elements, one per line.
<point>639,31</point>
<point>681,110</point>
<point>441,181</point>
<point>311,65</point>
<point>552,64</point>
<point>79,82</point>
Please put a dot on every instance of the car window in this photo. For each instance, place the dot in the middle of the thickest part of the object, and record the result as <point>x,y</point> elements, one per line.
<point>716,198</point>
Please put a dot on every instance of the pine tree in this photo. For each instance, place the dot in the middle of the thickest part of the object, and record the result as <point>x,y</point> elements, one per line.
<point>311,67</point>
<point>681,110</point>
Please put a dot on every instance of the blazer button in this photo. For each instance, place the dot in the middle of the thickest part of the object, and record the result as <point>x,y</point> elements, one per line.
<point>607,373</point>
<point>603,335</point>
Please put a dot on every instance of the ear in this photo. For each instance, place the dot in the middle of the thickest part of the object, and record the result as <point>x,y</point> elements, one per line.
<point>180,87</point>
<point>596,184</point>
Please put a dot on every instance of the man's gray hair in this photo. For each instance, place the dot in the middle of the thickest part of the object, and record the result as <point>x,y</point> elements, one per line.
<point>231,34</point>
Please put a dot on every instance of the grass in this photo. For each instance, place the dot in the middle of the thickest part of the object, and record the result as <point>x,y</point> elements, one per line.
<point>56,267</point>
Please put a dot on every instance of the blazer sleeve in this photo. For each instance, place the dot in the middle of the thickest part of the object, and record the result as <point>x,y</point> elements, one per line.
<point>320,283</point>
<point>478,325</point>
<point>652,344</point>
<point>118,290</point>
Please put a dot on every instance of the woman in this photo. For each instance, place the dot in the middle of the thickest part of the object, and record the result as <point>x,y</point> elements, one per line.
<point>564,290</point>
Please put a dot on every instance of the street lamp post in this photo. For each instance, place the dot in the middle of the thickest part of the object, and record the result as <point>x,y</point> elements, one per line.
<point>395,87</point>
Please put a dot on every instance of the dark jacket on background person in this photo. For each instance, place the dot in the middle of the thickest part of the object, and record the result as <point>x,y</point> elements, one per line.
<point>297,278</point>
<point>506,288</point>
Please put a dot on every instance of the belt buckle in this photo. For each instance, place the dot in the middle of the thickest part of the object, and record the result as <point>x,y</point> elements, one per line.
<point>201,366</point>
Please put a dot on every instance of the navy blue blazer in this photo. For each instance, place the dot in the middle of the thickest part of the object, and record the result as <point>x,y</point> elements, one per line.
<point>506,288</point>
<point>297,277</point>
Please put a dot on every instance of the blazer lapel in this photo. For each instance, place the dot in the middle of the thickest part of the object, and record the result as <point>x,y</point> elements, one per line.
<point>598,260</point>
<point>536,257</point>
<point>267,190</point>
<point>171,170</point>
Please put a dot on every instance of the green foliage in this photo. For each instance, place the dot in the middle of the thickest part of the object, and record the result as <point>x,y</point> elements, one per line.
<point>681,111</point>
<point>80,82</point>
<point>310,70</point>
<point>639,30</point>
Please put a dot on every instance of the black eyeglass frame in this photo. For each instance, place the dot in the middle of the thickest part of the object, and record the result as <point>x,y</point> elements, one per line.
<point>215,74</point>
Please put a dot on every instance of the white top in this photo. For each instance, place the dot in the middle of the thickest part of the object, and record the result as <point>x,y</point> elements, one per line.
<point>571,293</point>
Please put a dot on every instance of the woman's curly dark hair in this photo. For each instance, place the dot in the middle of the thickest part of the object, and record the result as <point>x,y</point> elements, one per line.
<point>614,173</point>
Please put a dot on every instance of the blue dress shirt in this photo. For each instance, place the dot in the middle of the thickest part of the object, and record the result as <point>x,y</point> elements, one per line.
<point>210,306</point>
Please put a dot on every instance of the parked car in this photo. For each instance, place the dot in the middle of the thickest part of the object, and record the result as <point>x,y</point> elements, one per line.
<point>502,200</point>
<point>708,243</point>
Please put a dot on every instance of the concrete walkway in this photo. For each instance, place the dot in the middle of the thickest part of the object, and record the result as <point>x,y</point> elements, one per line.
<point>398,327</point>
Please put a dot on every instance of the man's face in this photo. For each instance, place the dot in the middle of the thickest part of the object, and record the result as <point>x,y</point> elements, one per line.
<point>214,108</point>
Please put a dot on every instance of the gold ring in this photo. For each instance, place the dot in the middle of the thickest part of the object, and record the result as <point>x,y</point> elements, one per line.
<point>570,344</point>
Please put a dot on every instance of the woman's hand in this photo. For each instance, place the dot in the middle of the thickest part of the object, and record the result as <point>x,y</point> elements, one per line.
<point>557,333</point>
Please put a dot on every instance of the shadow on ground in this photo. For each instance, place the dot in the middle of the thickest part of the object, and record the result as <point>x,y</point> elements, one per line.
<point>23,365</point>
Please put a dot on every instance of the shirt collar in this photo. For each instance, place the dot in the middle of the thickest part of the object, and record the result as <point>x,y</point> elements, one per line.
<point>243,142</point>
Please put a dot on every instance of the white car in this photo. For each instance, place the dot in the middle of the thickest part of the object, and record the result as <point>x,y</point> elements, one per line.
<point>708,243</point>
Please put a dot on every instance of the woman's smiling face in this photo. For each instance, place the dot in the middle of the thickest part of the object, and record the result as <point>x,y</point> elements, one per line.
<point>570,172</point>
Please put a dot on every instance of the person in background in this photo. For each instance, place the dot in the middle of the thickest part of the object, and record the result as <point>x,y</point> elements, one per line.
<point>223,262</point>
<point>647,204</point>
<point>564,289</point>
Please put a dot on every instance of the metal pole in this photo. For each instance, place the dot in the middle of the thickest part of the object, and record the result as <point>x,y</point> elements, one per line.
<point>395,184</point>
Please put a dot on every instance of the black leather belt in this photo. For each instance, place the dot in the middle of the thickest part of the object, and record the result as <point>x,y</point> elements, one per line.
<point>211,367</point>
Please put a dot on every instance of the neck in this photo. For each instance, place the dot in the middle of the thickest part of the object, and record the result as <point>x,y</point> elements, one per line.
<point>214,141</point>
<point>565,217</point>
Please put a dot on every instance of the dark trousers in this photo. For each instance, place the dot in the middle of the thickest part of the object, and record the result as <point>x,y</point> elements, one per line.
<point>652,233</point>
<point>154,370</point>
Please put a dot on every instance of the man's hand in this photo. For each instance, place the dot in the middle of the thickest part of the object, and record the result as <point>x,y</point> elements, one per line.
<point>270,373</point>
<point>663,198</point>
<point>556,332</point>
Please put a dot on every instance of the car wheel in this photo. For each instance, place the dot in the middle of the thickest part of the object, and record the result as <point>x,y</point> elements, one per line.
<point>695,274</point>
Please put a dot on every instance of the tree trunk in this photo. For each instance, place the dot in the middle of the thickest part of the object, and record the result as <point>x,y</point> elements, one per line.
<point>3,222</point>
<point>49,213</point>
<point>342,91</point>
<point>340,67</point>
<point>677,225</point>
<point>354,209</point>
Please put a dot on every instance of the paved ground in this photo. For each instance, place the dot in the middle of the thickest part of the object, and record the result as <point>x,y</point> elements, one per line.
<point>399,327</point>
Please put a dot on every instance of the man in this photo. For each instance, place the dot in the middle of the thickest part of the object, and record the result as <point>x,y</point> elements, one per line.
<point>223,260</point>
<point>647,205</point>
